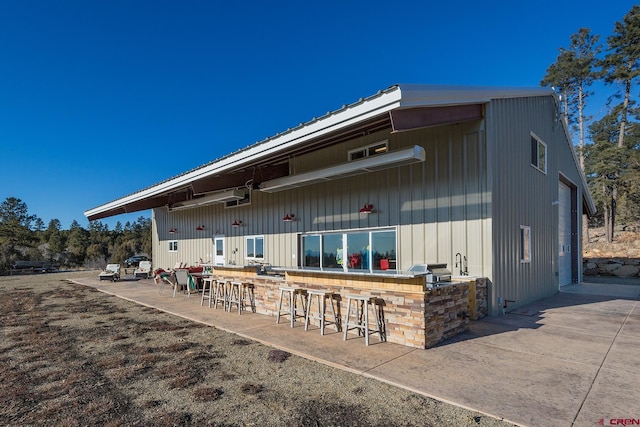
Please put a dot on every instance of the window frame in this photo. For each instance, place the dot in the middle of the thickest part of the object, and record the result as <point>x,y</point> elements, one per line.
<point>525,244</point>
<point>173,245</point>
<point>536,143</point>
<point>342,258</point>
<point>254,239</point>
<point>366,149</point>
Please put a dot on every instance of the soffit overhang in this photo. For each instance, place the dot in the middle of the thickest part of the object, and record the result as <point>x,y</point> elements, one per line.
<point>398,108</point>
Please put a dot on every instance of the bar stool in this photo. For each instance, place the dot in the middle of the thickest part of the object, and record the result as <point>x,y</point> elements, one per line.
<point>361,318</point>
<point>239,292</point>
<point>220,293</point>
<point>292,294</point>
<point>321,297</point>
<point>207,289</point>
<point>233,296</point>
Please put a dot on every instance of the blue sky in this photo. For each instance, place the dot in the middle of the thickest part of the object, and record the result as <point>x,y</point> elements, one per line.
<point>101,99</point>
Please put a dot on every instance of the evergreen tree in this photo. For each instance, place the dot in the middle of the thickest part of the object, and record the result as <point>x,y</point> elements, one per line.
<point>621,64</point>
<point>621,67</point>
<point>15,230</point>
<point>38,224</point>
<point>573,73</point>
<point>77,244</point>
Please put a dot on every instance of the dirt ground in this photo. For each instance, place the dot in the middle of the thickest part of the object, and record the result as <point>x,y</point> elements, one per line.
<point>73,356</point>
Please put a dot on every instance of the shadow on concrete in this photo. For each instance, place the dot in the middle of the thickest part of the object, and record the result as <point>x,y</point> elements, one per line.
<point>601,290</point>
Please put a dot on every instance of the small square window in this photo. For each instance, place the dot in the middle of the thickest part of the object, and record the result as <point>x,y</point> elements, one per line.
<point>255,247</point>
<point>173,246</point>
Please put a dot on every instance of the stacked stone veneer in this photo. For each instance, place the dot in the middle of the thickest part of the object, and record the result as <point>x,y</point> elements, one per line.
<point>478,297</point>
<point>446,312</point>
<point>413,316</point>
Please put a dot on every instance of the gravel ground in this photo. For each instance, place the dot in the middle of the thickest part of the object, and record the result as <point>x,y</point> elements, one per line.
<point>73,356</point>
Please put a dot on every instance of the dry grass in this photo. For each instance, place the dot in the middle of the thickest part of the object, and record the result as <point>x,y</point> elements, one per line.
<point>72,356</point>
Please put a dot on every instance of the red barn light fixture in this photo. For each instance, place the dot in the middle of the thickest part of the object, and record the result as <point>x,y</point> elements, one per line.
<point>288,217</point>
<point>236,223</point>
<point>366,209</point>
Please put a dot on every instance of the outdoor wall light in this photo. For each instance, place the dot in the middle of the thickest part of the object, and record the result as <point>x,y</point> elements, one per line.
<point>172,230</point>
<point>366,209</point>
<point>288,217</point>
<point>200,228</point>
<point>236,223</point>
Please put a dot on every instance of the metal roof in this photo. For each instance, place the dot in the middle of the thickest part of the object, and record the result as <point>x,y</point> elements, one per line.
<point>365,110</point>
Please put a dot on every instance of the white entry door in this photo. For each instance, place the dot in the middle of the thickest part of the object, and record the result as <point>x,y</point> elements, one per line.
<point>564,235</point>
<point>218,246</point>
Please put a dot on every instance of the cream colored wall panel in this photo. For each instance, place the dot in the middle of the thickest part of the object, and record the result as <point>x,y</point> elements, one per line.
<point>419,197</point>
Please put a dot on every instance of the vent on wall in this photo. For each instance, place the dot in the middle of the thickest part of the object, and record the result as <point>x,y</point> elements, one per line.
<point>407,156</point>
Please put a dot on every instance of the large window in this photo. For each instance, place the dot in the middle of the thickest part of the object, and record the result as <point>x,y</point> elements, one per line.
<point>538,154</point>
<point>332,251</point>
<point>311,251</point>
<point>358,250</point>
<point>255,247</point>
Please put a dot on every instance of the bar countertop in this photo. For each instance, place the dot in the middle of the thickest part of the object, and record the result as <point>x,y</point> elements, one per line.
<point>391,274</point>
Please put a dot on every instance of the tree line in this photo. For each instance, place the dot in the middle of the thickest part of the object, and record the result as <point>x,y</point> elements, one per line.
<point>609,147</point>
<point>24,237</point>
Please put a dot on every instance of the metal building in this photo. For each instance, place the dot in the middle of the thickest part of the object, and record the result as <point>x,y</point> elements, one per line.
<point>483,179</point>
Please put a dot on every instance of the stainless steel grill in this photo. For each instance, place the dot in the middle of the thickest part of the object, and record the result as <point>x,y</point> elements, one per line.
<point>436,274</point>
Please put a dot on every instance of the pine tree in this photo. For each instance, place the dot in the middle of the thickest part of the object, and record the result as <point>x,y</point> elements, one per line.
<point>621,67</point>
<point>572,74</point>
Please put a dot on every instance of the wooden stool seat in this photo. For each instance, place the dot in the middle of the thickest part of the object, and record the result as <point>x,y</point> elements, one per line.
<point>207,289</point>
<point>321,298</point>
<point>220,293</point>
<point>292,294</point>
<point>360,319</point>
<point>239,292</point>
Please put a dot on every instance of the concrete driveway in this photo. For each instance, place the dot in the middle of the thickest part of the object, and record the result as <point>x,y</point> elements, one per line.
<point>566,360</point>
<point>570,359</point>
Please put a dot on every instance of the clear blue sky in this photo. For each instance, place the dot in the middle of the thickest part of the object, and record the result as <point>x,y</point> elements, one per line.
<point>99,99</point>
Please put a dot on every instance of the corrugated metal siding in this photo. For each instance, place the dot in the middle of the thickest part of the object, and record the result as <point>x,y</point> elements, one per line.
<point>522,195</point>
<point>426,201</point>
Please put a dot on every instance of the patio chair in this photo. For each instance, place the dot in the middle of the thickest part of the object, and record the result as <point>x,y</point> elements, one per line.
<point>143,270</point>
<point>111,272</point>
<point>186,282</point>
<point>167,279</point>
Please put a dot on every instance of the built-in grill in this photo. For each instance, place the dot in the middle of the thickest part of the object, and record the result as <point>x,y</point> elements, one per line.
<point>436,274</point>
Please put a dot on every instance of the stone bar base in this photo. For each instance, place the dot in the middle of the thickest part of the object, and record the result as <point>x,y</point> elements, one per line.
<point>413,315</point>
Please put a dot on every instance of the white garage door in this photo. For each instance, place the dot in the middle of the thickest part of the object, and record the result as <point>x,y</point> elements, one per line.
<point>564,233</point>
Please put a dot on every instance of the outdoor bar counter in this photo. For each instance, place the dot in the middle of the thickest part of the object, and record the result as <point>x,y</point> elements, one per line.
<point>414,315</point>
